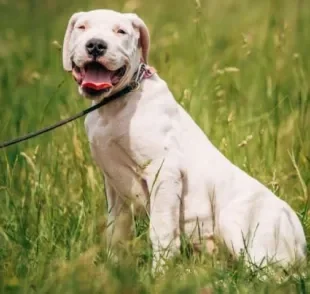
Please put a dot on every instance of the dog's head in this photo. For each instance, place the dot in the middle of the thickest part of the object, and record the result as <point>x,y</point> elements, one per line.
<point>102,50</point>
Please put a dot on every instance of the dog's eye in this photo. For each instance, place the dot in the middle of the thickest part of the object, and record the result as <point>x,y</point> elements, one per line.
<point>122,32</point>
<point>81,27</point>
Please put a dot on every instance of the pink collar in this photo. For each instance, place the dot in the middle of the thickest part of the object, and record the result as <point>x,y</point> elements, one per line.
<point>149,71</point>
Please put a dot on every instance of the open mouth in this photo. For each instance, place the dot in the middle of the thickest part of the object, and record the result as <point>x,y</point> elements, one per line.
<point>95,79</point>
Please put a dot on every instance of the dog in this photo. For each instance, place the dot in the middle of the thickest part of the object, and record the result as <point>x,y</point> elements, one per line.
<point>153,155</point>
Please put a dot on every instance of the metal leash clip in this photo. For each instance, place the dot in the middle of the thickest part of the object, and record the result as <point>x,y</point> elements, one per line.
<point>135,86</point>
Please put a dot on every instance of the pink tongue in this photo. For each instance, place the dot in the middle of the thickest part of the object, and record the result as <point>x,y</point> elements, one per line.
<point>97,79</point>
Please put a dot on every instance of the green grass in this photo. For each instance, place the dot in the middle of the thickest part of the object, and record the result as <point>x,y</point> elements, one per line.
<point>242,70</point>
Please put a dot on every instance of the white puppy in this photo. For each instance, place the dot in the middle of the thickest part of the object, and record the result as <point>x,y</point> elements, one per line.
<point>152,154</point>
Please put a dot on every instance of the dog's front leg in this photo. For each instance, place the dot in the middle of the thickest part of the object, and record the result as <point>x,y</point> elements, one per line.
<point>120,224</point>
<point>165,203</point>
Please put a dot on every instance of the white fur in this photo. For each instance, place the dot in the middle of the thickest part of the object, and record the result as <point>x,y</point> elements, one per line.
<point>152,154</point>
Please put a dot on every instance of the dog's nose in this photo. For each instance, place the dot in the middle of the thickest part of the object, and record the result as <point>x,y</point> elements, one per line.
<point>96,47</point>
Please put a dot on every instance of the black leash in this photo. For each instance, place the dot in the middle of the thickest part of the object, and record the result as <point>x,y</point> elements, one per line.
<point>134,85</point>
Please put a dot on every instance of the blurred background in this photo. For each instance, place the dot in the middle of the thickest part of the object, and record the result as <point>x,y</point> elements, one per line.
<point>240,68</point>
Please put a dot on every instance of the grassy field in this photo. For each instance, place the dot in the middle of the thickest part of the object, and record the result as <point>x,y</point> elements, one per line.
<point>242,70</point>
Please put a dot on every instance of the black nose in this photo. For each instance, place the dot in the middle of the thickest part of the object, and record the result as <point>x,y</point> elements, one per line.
<point>96,47</point>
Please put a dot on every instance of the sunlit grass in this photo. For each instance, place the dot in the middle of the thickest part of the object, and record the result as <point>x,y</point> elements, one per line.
<point>241,69</point>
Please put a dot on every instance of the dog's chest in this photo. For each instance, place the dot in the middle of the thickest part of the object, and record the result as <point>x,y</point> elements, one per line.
<point>120,148</point>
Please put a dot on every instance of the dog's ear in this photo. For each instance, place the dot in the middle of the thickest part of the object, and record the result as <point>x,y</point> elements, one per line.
<point>144,40</point>
<point>66,44</point>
